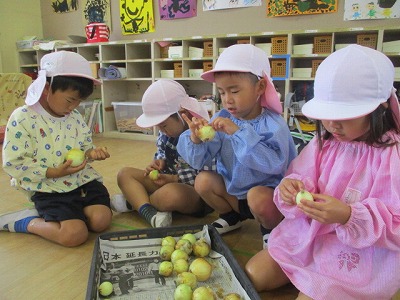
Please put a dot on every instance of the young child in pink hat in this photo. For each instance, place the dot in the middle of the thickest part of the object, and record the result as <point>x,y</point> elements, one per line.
<point>69,200</point>
<point>172,190</point>
<point>346,243</point>
<point>252,147</point>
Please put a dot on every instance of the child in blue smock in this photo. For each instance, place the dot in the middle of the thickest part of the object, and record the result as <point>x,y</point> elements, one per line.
<point>253,145</point>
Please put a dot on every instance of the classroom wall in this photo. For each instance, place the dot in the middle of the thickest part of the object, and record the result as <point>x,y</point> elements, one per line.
<point>18,18</point>
<point>239,20</point>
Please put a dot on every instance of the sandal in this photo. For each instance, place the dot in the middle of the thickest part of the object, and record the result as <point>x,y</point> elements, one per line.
<point>223,227</point>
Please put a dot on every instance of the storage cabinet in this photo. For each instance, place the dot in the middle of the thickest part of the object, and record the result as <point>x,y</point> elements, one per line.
<point>29,61</point>
<point>294,58</point>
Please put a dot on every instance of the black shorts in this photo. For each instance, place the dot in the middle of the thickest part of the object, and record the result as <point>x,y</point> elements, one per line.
<point>244,210</point>
<point>68,206</point>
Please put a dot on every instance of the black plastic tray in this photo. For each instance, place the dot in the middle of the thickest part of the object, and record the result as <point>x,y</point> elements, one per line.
<point>217,244</point>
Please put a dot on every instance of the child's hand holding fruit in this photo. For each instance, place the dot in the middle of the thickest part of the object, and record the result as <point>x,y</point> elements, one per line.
<point>327,209</point>
<point>99,153</point>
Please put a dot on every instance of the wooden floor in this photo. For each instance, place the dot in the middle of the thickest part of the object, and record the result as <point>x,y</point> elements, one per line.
<point>33,268</point>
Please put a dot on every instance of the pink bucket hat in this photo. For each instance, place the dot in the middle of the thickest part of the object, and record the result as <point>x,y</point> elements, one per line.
<point>248,58</point>
<point>341,93</point>
<point>164,98</point>
<point>59,63</point>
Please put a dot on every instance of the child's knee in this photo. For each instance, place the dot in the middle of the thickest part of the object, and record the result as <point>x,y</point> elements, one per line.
<point>251,270</point>
<point>123,174</point>
<point>99,220</point>
<point>260,199</point>
<point>203,182</point>
<point>73,236</point>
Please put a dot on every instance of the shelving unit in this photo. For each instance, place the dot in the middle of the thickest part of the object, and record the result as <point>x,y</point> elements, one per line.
<point>144,60</point>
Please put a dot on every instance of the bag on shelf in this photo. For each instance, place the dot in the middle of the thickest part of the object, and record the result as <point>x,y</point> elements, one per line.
<point>304,91</point>
<point>97,32</point>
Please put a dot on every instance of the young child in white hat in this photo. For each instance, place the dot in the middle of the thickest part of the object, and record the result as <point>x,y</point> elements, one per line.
<point>69,200</point>
<point>253,146</point>
<point>346,243</point>
<point>172,190</point>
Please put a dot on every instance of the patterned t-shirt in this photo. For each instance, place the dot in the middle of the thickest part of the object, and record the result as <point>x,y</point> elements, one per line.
<point>35,141</point>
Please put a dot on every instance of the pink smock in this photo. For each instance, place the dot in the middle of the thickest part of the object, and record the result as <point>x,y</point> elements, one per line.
<point>357,260</point>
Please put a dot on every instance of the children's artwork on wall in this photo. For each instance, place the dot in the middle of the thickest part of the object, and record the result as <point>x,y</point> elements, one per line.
<point>177,9</point>
<point>226,4</point>
<point>97,11</point>
<point>137,16</point>
<point>371,9</point>
<point>64,6</point>
<point>277,8</point>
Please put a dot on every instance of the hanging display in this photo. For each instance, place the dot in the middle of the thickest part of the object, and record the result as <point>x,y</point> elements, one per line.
<point>64,6</point>
<point>177,9</point>
<point>369,10</point>
<point>277,8</point>
<point>137,16</point>
<point>226,4</point>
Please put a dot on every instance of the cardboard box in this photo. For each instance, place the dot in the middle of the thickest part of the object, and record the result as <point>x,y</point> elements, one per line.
<point>195,52</point>
<point>244,41</point>
<point>175,52</point>
<point>279,45</point>
<point>266,47</point>
<point>314,66</point>
<point>393,46</point>
<point>302,72</point>
<point>178,70</point>
<point>126,114</point>
<point>303,49</point>
<point>164,51</point>
<point>367,40</point>
<point>167,73</point>
<point>27,44</point>
<point>95,69</point>
<point>207,66</point>
<point>195,73</point>
<point>278,68</point>
<point>208,48</point>
<point>322,44</point>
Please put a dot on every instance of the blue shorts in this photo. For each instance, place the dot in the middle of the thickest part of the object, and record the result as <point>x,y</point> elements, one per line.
<point>68,206</point>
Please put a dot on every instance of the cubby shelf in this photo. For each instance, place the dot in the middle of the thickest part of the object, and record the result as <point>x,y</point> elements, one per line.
<point>146,61</point>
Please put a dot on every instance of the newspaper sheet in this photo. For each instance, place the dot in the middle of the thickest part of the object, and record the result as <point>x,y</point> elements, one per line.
<point>132,267</point>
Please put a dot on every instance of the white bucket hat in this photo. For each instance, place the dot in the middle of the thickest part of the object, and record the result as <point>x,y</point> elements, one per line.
<point>60,63</point>
<point>350,83</point>
<point>164,98</point>
<point>248,58</point>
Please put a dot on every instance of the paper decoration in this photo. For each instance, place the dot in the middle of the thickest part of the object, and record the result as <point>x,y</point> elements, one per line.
<point>226,4</point>
<point>277,8</point>
<point>136,16</point>
<point>97,11</point>
<point>64,6</point>
<point>177,9</point>
<point>371,9</point>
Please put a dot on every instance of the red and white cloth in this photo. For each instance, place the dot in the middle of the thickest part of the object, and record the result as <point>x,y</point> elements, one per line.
<point>97,32</point>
